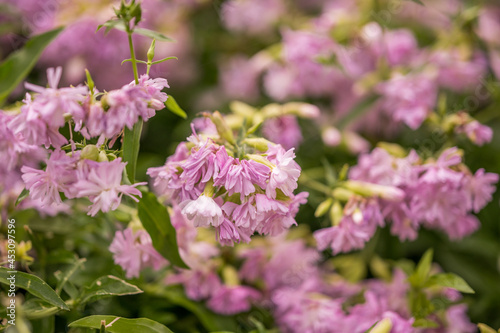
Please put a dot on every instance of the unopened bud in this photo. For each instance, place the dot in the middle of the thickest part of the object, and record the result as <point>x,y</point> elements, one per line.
<point>222,127</point>
<point>336,213</point>
<point>257,143</point>
<point>230,276</point>
<point>151,51</point>
<point>375,190</point>
<point>102,157</point>
<point>383,326</point>
<point>304,110</point>
<point>242,109</point>
<point>393,149</point>
<point>323,207</point>
<point>90,152</point>
<point>331,136</point>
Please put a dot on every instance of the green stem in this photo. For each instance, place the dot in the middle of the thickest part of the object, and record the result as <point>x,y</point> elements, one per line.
<point>315,185</point>
<point>132,53</point>
<point>131,138</point>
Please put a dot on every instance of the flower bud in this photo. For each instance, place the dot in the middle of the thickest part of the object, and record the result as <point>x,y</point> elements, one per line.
<point>383,326</point>
<point>257,143</point>
<point>222,127</point>
<point>323,207</point>
<point>102,157</point>
<point>90,152</point>
<point>230,276</point>
<point>336,213</point>
<point>374,190</point>
<point>151,51</point>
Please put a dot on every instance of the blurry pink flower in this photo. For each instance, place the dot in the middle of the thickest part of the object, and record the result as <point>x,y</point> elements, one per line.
<point>251,16</point>
<point>134,251</point>
<point>458,73</point>
<point>478,133</point>
<point>410,99</point>
<point>283,130</point>
<point>45,185</point>
<point>480,188</point>
<point>229,300</point>
<point>102,184</point>
<point>331,136</point>
<point>400,46</point>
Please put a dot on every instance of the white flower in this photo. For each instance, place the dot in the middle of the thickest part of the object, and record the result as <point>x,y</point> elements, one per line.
<point>284,175</point>
<point>203,211</point>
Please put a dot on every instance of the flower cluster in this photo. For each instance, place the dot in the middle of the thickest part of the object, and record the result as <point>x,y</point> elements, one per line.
<point>133,250</point>
<point>238,191</point>
<point>78,177</point>
<point>91,171</point>
<point>440,194</point>
<point>285,276</point>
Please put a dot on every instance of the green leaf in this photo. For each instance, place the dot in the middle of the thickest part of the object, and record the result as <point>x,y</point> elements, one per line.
<point>418,1</point>
<point>107,286</point>
<point>163,60</point>
<point>211,321</point>
<point>425,323</point>
<point>34,285</point>
<point>421,274</point>
<point>371,327</point>
<point>156,220</point>
<point>24,194</point>
<point>110,24</point>
<point>357,111</point>
<point>483,328</point>
<point>18,65</point>
<point>172,105</point>
<point>36,308</point>
<point>121,325</point>
<point>117,24</point>
<point>63,277</point>
<point>131,145</point>
<point>449,280</point>
<point>153,34</point>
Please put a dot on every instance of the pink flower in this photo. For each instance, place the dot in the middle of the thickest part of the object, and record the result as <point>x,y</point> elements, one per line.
<point>229,300</point>
<point>101,182</point>
<point>456,316</point>
<point>478,133</point>
<point>285,174</point>
<point>459,73</point>
<point>400,46</point>
<point>241,176</point>
<point>30,125</point>
<point>357,226</point>
<point>199,282</point>
<point>122,107</point>
<point>239,78</point>
<point>283,130</point>
<point>409,98</point>
<point>45,185</point>
<point>14,150</point>
<point>52,103</point>
<point>201,165</point>
<point>203,211</point>
<point>480,188</point>
<point>251,16</point>
<point>134,251</point>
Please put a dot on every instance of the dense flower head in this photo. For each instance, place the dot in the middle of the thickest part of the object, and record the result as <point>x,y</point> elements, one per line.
<point>440,194</point>
<point>123,107</point>
<point>134,251</point>
<point>45,112</point>
<point>236,195</point>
